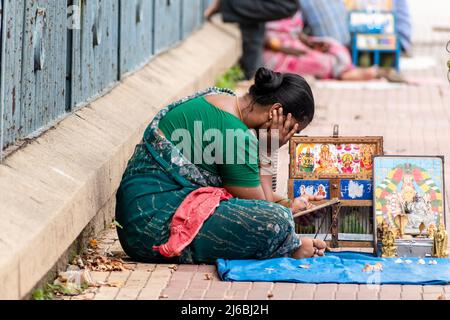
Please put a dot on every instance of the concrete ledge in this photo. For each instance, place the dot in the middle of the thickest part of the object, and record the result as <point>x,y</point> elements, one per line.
<point>54,187</point>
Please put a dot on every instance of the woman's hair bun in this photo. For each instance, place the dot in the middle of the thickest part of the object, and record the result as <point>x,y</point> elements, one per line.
<point>267,80</point>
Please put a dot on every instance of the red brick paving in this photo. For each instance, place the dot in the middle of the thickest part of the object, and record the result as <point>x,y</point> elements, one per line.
<point>194,282</point>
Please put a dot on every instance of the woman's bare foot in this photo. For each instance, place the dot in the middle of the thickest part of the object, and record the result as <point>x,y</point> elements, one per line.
<point>212,9</point>
<point>360,74</point>
<point>310,248</point>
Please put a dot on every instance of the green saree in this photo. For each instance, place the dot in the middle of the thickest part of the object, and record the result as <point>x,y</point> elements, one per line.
<point>157,180</point>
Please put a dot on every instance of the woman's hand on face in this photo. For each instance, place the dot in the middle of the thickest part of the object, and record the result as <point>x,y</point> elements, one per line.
<point>284,127</point>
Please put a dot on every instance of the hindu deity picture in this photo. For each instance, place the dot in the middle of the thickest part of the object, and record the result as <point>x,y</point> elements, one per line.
<point>328,159</point>
<point>409,193</point>
<point>312,188</point>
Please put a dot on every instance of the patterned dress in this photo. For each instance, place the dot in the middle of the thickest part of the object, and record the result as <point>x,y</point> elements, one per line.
<point>157,180</point>
<point>322,65</point>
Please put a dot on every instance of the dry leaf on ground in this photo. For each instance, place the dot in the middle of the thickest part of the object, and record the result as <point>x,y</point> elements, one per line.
<point>115,284</point>
<point>93,244</point>
<point>130,266</point>
<point>103,264</point>
<point>78,261</point>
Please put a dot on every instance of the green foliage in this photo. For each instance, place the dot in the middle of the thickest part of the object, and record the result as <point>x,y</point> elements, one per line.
<point>52,290</point>
<point>38,294</point>
<point>64,290</point>
<point>41,294</point>
<point>230,78</point>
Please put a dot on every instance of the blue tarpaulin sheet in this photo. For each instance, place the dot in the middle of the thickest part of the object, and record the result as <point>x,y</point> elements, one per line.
<point>342,267</point>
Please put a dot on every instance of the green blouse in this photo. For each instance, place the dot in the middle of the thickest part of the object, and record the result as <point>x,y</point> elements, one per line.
<point>214,140</point>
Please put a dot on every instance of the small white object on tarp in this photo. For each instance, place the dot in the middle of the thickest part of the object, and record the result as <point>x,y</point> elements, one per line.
<point>339,267</point>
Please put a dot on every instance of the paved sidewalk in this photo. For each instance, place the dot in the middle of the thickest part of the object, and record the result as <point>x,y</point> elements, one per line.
<point>201,282</point>
<point>414,119</point>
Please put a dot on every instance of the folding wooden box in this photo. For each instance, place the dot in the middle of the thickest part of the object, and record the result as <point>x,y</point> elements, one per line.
<point>337,167</point>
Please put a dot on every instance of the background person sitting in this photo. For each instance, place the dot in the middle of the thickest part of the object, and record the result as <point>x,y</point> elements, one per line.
<point>326,18</point>
<point>252,15</point>
<point>288,49</point>
<point>401,9</point>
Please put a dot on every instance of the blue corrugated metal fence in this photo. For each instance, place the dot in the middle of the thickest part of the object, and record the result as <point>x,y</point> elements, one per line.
<point>57,55</point>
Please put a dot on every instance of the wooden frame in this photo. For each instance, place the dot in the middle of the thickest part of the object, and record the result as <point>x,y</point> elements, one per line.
<point>443,214</point>
<point>295,141</point>
<point>328,178</point>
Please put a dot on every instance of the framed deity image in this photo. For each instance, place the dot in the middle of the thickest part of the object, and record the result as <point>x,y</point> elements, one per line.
<point>409,196</point>
<point>314,158</point>
<point>311,188</point>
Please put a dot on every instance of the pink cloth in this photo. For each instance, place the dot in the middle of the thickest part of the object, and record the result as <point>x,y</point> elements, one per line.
<point>190,217</point>
<point>322,65</point>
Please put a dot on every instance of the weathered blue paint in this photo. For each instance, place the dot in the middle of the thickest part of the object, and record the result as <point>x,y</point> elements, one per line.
<point>33,79</point>
<point>42,91</point>
<point>136,34</point>
<point>167,24</point>
<point>95,50</point>
<point>12,31</point>
<point>191,17</point>
<point>48,69</point>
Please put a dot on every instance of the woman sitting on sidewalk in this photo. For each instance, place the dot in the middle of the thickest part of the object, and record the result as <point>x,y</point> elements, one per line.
<point>288,49</point>
<point>177,165</point>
